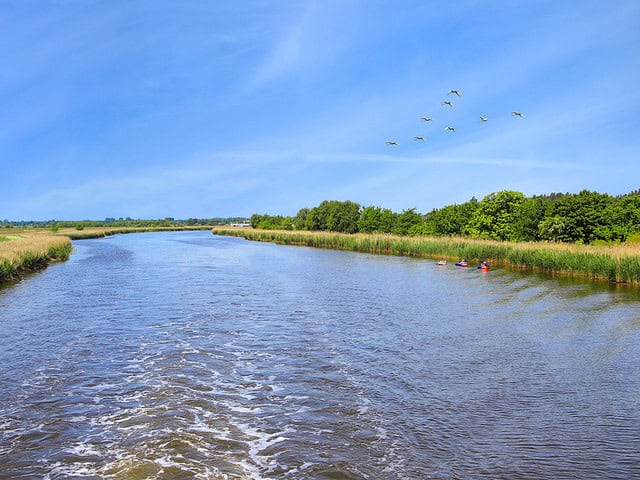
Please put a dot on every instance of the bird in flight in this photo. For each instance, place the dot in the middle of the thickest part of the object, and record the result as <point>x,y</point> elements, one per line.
<point>450,129</point>
<point>455,92</point>
<point>447,102</point>
<point>426,119</point>
<point>391,143</point>
<point>483,119</point>
<point>517,114</point>
<point>419,138</point>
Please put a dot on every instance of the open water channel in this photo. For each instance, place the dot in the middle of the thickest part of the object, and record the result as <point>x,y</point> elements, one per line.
<point>185,355</point>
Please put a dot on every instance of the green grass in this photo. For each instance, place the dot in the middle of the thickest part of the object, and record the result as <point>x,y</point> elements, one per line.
<point>29,253</point>
<point>619,263</point>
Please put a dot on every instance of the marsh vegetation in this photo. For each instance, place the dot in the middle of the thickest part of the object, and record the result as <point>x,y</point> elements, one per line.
<point>618,263</point>
<point>24,251</point>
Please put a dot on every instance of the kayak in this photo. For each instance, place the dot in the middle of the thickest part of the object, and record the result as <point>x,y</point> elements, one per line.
<point>442,262</point>
<point>483,267</point>
<point>462,264</point>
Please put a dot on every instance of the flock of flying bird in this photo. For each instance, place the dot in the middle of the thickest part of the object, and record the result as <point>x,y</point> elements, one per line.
<point>449,128</point>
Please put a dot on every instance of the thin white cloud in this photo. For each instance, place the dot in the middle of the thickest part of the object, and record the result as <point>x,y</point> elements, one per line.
<point>282,59</point>
<point>308,43</point>
<point>442,158</point>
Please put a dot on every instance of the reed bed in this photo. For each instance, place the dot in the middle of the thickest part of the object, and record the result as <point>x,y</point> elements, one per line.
<point>26,252</point>
<point>615,263</point>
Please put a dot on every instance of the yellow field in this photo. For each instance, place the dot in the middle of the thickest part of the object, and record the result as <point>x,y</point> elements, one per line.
<point>13,245</point>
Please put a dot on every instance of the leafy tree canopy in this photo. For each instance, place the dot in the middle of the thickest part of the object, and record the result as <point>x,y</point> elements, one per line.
<point>585,217</point>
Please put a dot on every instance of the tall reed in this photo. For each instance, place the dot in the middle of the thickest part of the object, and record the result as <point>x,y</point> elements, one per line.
<point>618,263</point>
<point>31,251</point>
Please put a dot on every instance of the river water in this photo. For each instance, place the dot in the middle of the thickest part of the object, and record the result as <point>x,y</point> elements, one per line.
<point>185,355</point>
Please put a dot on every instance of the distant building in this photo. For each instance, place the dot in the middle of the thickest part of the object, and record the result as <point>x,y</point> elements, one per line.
<point>241,224</point>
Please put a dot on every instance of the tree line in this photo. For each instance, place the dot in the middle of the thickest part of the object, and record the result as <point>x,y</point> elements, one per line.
<point>124,222</point>
<point>586,217</point>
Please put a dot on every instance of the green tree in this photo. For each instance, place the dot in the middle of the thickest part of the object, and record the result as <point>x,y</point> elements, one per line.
<point>496,216</point>
<point>527,219</point>
<point>300,220</point>
<point>370,218</point>
<point>552,228</point>
<point>388,220</point>
<point>629,217</point>
<point>409,221</point>
<point>255,220</point>
<point>335,216</point>
<point>344,217</point>
<point>619,220</point>
<point>583,215</point>
<point>451,219</point>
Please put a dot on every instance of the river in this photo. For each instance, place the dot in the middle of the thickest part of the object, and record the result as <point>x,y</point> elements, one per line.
<point>185,355</point>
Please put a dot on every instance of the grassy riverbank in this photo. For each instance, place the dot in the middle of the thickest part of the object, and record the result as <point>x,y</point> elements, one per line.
<point>25,250</point>
<point>615,263</point>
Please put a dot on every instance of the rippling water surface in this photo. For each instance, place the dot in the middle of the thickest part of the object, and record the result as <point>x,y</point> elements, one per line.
<point>186,355</point>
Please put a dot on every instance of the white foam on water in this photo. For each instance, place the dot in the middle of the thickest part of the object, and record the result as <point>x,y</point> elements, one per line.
<point>78,419</point>
<point>28,384</point>
<point>252,471</point>
<point>132,397</point>
<point>257,440</point>
<point>247,396</point>
<point>393,458</point>
<point>365,403</point>
<point>381,433</point>
<point>167,462</point>
<point>300,469</point>
<point>199,425</point>
<point>133,427</point>
<point>295,397</point>
<point>191,350</point>
<point>240,409</point>
<point>77,469</point>
<point>85,450</point>
<point>212,473</point>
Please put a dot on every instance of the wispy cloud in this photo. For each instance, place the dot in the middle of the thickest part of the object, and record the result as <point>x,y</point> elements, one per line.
<point>443,158</point>
<point>283,58</point>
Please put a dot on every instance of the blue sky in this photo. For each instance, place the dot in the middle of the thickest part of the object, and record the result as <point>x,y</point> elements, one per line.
<point>204,108</point>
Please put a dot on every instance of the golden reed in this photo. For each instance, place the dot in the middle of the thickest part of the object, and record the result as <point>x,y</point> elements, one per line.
<point>613,263</point>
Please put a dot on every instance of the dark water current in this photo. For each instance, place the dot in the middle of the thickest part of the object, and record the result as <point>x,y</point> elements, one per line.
<point>189,356</point>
